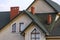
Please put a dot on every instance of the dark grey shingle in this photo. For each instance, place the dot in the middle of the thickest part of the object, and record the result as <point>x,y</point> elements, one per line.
<point>4,18</point>
<point>54,5</point>
<point>56,29</point>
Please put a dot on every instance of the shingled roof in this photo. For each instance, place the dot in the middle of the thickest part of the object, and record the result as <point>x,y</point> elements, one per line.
<point>56,28</point>
<point>4,19</point>
<point>53,5</point>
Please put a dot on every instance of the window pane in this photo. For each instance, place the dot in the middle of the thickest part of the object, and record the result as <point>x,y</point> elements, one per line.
<point>33,35</point>
<point>14,27</point>
<point>37,35</point>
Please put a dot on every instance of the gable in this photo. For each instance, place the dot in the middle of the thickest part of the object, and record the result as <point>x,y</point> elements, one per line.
<point>22,18</point>
<point>42,7</point>
<point>30,29</point>
<point>7,34</point>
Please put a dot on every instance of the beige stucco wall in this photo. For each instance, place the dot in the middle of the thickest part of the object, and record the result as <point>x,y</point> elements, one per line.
<point>42,7</point>
<point>7,34</point>
<point>30,29</point>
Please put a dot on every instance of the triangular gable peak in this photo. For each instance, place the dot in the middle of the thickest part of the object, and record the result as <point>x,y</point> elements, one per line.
<point>41,7</point>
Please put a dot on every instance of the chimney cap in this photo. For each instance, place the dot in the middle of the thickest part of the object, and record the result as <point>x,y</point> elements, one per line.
<point>15,6</point>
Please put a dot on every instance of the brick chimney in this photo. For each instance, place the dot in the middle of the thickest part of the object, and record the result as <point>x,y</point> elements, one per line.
<point>14,11</point>
<point>33,10</point>
<point>49,19</point>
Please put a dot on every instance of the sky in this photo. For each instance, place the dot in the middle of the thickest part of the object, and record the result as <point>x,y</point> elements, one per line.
<point>23,4</point>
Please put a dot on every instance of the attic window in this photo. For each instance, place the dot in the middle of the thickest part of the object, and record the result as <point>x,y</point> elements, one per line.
<point>14,27</point>
<point>35,35</point>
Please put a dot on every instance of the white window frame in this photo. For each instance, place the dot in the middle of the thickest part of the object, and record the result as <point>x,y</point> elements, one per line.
<point>36,35</point>
<point>20,25</point>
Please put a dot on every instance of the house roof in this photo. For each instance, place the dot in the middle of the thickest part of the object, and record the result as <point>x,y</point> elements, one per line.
<point>39,19</point>
<point>36,20</point>
<point>56,28</point>
<point>4,19</point>
<point>54,5</point>
<point>52,28</point>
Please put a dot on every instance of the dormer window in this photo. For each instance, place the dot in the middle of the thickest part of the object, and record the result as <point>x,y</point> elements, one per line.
<point>35,35</point>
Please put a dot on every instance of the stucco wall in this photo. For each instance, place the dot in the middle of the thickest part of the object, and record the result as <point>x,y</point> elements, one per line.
<point>7,34</point>
<point>30,29</point>
<point>42,7</point>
